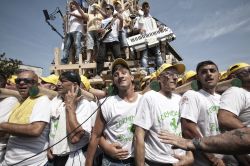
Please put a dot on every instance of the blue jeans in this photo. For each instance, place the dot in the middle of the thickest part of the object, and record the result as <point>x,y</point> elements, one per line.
<point>106,161</point>
<point>155,51</point>
<point>69,39</point>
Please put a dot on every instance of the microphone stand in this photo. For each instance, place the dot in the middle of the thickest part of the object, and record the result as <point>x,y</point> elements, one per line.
<point>54,29</point>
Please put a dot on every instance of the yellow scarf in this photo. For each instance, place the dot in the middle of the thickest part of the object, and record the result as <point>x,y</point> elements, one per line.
<point>21,113</point>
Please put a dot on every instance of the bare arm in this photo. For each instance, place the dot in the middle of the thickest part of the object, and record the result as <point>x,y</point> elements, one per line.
<point>95,138</point>
<point>34,129</point>
<point>191,130</point>
<point>232,142</point>
<point>228,120</point>
<point>113,150</point>
<point>82,14</point>
<point>139,146</point>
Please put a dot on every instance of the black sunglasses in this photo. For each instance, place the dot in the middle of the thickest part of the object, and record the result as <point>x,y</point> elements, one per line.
<point>25,80</point>
<point>108,8</point>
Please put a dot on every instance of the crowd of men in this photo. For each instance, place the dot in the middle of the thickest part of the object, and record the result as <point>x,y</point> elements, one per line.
<point>63,120</point>
<point>108,27</point>
<point>81,125</point>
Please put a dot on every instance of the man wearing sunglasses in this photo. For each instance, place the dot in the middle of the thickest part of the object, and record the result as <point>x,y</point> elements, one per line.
<point>28,124</point>
<point>158,112</point>
<point>69,117</point>
<point>111,27</point>
<point>234,110</point>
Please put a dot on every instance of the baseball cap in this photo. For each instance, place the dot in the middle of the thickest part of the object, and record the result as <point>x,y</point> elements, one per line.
<point>117,1</point>
<point>223,75</point>
<point>119,61</point>
<point>85,82</point>
<point>236,67</point>
<point>12,79</point>
<point>188,75</point>
<point>179,67</point>
<point>53,79</point>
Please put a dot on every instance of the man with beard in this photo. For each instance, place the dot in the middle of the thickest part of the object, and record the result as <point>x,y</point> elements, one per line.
<point>28,124</point>
<point>113,125</point>
<point>199,111</point>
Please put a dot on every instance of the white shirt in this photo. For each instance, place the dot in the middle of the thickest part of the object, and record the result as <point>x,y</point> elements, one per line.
<point>237,101</point>
<point>113,35</point>
<point>147,23</point>
<point>76,24</point>
<point>20,147</point>
<point>201,108</point>
<point>157,113</point>
<point>6,106</point>
<point>119,117</point>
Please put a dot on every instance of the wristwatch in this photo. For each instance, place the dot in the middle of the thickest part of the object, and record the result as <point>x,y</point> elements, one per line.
<point>197,143</point>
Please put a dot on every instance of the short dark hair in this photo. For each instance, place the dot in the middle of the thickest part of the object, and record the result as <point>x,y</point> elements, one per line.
<point>71,76</point>
<point>203,63</point>
<point>144,4</point>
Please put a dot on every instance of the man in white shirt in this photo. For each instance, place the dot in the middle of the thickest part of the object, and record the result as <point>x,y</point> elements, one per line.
<point>158,112</point>
<point>74,31</point>
<point>110,40</point>
<point>69,116</point>
<point>28,124</point>
<point>199,111</point>
<point>145,24</point>
<point>113,125</point>
<point>6,106</point>
<point>234,110</point>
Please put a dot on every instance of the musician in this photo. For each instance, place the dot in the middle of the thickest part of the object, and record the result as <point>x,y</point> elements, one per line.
<point>94,24</point>
<point>110,41</point>
<point>125,12</point>
<point>144,25</point>
<point>74,31</point>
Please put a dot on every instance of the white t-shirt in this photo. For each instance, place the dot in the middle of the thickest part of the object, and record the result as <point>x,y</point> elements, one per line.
<point>119,116</point>
<point>6,106</point>
<point>83,111</point>
<point>113,35</point>
<point>237,101</point>
<point>201,108</point>
<point>156,113</point>
<point>20,147</point>
<point>147,23</point>
<point>76,24</point>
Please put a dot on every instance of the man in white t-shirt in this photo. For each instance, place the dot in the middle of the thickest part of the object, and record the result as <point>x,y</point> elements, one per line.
<point>69,116</point>
<point>145,24</point>
<point>158,112</point>
<point>234,110</point>
<point>199,111</point>
<point>110,40</point>
<point>74,31</point>
<point>6,106</point>
<point>113,126</point>
<point>28,124</point>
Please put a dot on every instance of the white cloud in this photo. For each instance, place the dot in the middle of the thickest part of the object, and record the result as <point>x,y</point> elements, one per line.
<point>216,25</point>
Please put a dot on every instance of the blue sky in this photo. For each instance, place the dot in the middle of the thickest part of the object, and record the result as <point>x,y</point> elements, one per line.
<point>218,30</point>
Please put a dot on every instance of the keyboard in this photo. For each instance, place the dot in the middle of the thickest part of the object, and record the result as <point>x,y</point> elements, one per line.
<point>151,39</point>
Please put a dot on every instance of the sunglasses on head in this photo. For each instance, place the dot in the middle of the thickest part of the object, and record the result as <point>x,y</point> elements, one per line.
<point>25,80</point>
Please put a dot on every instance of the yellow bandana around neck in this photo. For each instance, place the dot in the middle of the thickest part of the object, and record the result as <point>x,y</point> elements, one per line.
<point>22,112</point>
